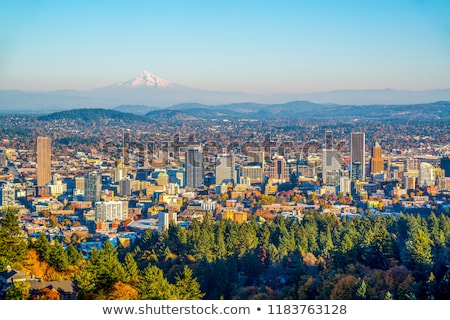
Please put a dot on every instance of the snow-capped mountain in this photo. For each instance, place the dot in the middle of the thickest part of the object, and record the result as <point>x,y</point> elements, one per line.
<point>145,80</point>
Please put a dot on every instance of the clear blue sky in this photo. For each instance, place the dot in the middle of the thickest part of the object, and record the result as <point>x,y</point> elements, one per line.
<point>249,46</point>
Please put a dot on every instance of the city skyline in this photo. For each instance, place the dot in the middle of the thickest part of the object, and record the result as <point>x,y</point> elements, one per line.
<point>293,47</point>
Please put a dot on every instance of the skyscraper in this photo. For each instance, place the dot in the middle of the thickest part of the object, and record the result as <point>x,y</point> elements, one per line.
<point>357,156</point>
<point>44,151</point>
<point>377,163</point>
<point>225,168</point>
<point>331,162</point>
<point>426,174</point>
<point>92,186</point>
<point>279,172</point>
<point>194,167</point>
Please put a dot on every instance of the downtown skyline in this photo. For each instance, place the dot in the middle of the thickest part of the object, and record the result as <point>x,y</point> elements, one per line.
<point>255,47</point>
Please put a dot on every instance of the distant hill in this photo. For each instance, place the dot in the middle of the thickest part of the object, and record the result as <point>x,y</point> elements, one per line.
<point>135,109</point>
<point>290,110</point>
<point>92,115</point>
<point>167,114</point>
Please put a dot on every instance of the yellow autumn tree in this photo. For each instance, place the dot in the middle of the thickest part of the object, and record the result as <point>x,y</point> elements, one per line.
<point>122,291</point>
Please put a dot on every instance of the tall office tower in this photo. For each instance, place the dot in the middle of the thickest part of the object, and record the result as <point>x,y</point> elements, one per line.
<point>344,185</point>
<point>3,160</point>
<point>409,183</point>
<point>426,174</point>
<point>125,187</point>
<point>328,140</point>
<point>44,152</point>
<point>357,156</point>
<point>377,163</point>
<point>279,172</point>
<point>331,162</point>
<point>225,169</point>
<point>194,167</point>
<point>92,186</point>
<point>445,165</point>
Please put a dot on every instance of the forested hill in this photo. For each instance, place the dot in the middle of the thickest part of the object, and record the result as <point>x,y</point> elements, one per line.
<point>319,257</point>
<point>88,114</point>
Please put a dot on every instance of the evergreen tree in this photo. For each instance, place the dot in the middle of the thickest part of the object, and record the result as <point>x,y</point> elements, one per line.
<point>131,269</point>
<point>42,247</point>
<point>419,258</point>
<point>73,255</point>
<point>13,245</point>
<point>58,257</point>
<point>187,287</point>
<point>362,291</point>
<point>154,286</point>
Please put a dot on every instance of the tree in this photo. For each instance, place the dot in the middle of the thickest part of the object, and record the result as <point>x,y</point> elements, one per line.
<point>362,291</point>
<point>13,246</point>
<point>345,288</point>
<point>154,286</point>
<point>20,290</point>
<point>131,269</point>
<point>419,258</point>
<point>187,287</point>
<point>42,247</point>
<point>122,291</point>
<point>48,294</point>
<point>73,255</point>
<point>58,257</point>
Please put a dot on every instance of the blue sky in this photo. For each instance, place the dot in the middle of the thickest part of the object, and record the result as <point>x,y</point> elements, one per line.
<point>249,46</point>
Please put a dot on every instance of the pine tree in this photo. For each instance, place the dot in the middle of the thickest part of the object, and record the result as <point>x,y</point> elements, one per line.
<point>131,269</point>
<point>154,286</point>
<point>13,245</point>
<point>187,287</point>
<point>42,247</point>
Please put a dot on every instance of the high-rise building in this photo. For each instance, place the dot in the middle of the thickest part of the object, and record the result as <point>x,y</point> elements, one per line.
<point>111,211</point>
<point>194,167</point>
<point>426,174</point>
<point>279,172</point>
<point>331,162</point>
<point>445,165</point>
<point>44,152</point>
<point>409,182</point>
<point>344,185</point>
<point>3,159</point>
<point>254,167</point>
<point>225,168</point>
<point>92,186</point>
<point>377,162</point>
<point>165,219</point>
<point>357,156</point>
<point>125,187</point>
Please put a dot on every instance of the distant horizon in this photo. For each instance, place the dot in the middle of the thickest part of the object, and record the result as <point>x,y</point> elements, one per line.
<point>109,85</point>
<point>255,47</point>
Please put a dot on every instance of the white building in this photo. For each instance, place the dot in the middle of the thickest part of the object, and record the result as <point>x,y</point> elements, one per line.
<point>426,174</point>
<point>165,219</point>
<point>111,210</point>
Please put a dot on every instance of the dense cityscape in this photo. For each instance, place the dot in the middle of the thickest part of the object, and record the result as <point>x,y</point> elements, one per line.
<point>105,205</point>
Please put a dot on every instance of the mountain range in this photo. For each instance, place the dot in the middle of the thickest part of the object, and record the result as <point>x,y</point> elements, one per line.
<point>151,92</point>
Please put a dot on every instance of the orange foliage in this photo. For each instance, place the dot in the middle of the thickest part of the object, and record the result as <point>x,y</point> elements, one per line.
<point>123,291</point>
